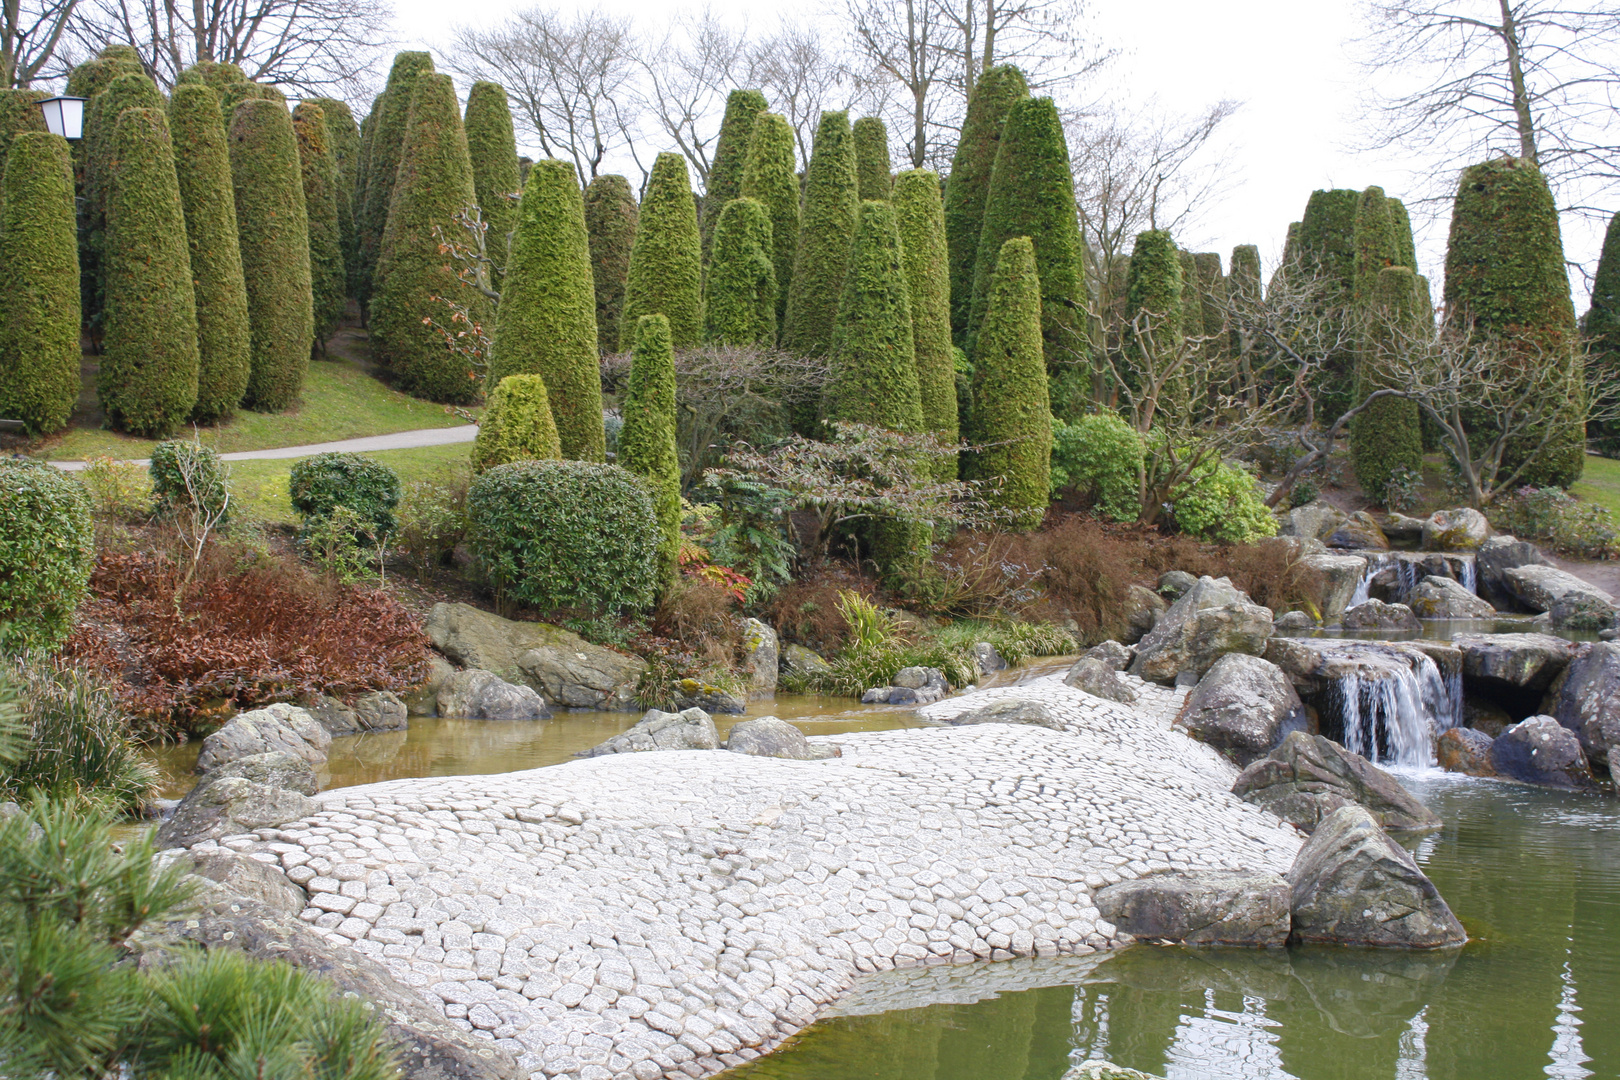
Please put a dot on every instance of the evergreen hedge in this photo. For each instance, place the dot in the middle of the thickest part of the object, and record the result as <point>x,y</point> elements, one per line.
<point>647,440</point>
<point>39,284</point>
<point>345,143</point>
<point>1245,290</point>
<point>124,91</point>
<point>743,108</point>
<point>1327,249</point>
<point>47,550</point>
<point>435,183</point>
<point>546,323</point>
<point>203,167</point>
<point>768,176</point>
<point>381,164</point>
<point>90,78</point>
<point>1192,298</point>
<point>1212,294</point>
<point>1011,411</point>
<point>19,112</point>
<point>148,378</point>
<point>666,260</point>
<point>1154,288</point>
<point>492,146</point>
<point>921,215</point>
<point>319,485</point>
<point>1405,245</point>
<point>273,230</point>
<point>318,168</point>
<point>223,80</point>
<point>1602,322</point>
<point>1376,245</point>
<point>826,230</point>
<point>968,187</point>
<point>874,361</point>
<point>1505,272</point>
<point>610,224</point>
<point>517,424</point>
<point>1388,434</point>
<point>873,177</point>
<point>739,303</point>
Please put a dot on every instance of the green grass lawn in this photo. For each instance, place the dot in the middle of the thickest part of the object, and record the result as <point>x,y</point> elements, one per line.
<point>1600,483</point>
<point>260,487</point>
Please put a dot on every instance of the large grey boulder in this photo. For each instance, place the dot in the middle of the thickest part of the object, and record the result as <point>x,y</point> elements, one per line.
<point>1541,751</point>
<point>1310,777</point>
<point>1538,588</point>
<point>1099,678</point>
<point>245,878</point>
<point>1293,620</point>
<point>762,659</point>
<point>228,806</point>
<point>1340,574</point>
<point>1009,711</point>
<point>1360,532</point>
<point>1529,661</point>
<point>706,697</point>
<point>769,736</point>
<point>801,663</point>
<point>1439,597</point>
<point>1462,529</point>
<point>1464,750</point>
<point>1584,613</point>
<point>1352,885</point>
<point>1209,907</point>
<point>1497,556</point>
<point>1377,615</point>
<point>1315,520</point>
<point>1244,706</point>
<point>423,698</point>
<point>379,711</point>
<point>1173,584</point>
<point>276,769</point>
<point>1398,526</point>
<point>1112,653</point>
<point>1143,609</point>
<point>690,729</point>
<point>562,666</point>
<point>1585,698</point>
<point>1212,619</point>
<point>482,695</point>
<point>279,727</point>
<point>986,659</point>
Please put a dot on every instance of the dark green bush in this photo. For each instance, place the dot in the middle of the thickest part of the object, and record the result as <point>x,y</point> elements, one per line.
<point>826,232</point>
<point>969,185</point>
<point>382,154</point>
<point>47,549</point>
<point>517,424</point>
<point>768,176</point>
<point>610,224</point>
<point>492,148</point>
<point>743,107</point>
<point>1100,455</point>
<point>369,488</point>
<point>647,438</point>
<point>208,489</point>
<point>319,171</point>
<point>565,534</point>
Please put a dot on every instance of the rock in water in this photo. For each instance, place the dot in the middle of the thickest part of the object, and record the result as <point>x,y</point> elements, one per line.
<point>762,658</point>
<point>1439,597</point>
<point>1310,777</point>
<point>562,666</point>
<point>1541,751</point>
<point>987,659</point>
<point>279,727</point>
<point>692,729</point>
<point>1244,706</point>
<point>1586,700</point>
<point>1337,578</point>
<point>1463,529</point>
<point>771,737</point>
<point>1583,613</point>
<point>231,805</point>
<point>1353,885</point>
<point>482,695</point>
<point>1009,711</point>
<point>1529,661</point>
<point>1539,588</point>
<point>1099,678</point>
<point>276,769</point>
<point>1377,615</point>
<point>1464,750</point>
<point>1112,653</point>
<point>1294,620</point>
<point>1212,619</point>
<point>800,662</point>
<point>380,711</point>
<point>1212,907</point>
<point>695,694</point>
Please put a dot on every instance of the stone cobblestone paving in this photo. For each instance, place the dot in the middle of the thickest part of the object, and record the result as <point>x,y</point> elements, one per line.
<point>674,914</point>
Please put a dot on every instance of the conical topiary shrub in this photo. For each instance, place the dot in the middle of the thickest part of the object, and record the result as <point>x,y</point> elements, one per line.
<point>1213,301</point>
<point>1602,322</point>
<point>874,360</point>
<point>546,324</point>
<point>666,261</point>
<point>872,176</point>
<point>517,424</point>
<point>381,163</point>
<point>273,230</point>
<point>493,149</point>
<point>610,223</point>
<point>131,90</point>
<point>345,136</point>
<point>320,176</point>
<point>768,177</point>
<point>969,183</point>
<point>1387,435</point>
<point>647,441</point>
<point>39,284</point>
<point>203,167</point>
<point>19,112</point>
<point>1153,300</point>
<point>148,377</point>
<point>1326,250</point>
<point>739,305</point>
<point>921,216</point>
<point>730,155</point>
<point>1010,408</point>
<point>826,231</point>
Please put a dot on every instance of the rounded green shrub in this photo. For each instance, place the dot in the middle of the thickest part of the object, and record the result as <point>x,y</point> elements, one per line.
<point>546,323</point>
<point>873,178</point>
<point>610,225</point>
<point>743,107</point>
<point>381,162</point>
<point>1222,502</point>
<point>90,78</point>
<point>647,439</point>
<point>516,425</point>
<point>1099,455</point>
<point>740,293</point>
<point>921,215</point>
<point>969,184</point>
<point>318,169</point>
<point>148,377</point>
<point>203,167</point>
<point>566,535</point>
<point>273,231</point>
<point>39,285</point>
<point>324,482</point>
<point>345,136</point>
<point>825,234</point>
<point>874,360</point>
<point>47,550</point>
<point>769,177</point>
<point>188,476</point>
<point>666,261</point>
<point>1012,414</point>
<point>492,146</point>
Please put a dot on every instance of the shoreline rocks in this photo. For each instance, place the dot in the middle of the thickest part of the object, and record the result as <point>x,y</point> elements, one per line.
<point>562,667</point>
<point>1309,778</point>
<point>1210,908</point>
<point>690,729</point>
<point>277,728</point>
<point>1212,619</point>
<point>474,694</point>
<point>1244,706</point>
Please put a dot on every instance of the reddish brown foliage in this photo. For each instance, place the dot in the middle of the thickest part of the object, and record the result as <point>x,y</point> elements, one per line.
<point>806,609</point>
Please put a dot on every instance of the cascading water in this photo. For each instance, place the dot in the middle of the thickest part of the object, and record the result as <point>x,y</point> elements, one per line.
<point>1395,705</point>
<point>1470,574</point>
<point>1408,575</point>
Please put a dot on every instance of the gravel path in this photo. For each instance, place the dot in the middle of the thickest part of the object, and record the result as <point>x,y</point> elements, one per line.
<point>399,440</point>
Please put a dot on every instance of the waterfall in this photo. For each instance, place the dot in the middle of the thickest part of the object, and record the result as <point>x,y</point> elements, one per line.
<point>1394,710</point>
<point>1375,563</point>
<point>1470,575</point>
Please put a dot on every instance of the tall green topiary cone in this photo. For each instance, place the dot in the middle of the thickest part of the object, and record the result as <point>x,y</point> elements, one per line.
<point>1327,250</point>
<point>768,176</point>
<point>1192,299</point>
<point>1505,272</point>
<point>825,234</point>
<point>148,378</point>
<point>90,78</point>
<point>546,324</point>
<point>1153,295</point>
<point>273,230</point>
<point>610,222</point>
<point>382,164</point>
<point>647,441</point>
<point>739,302</point>
<point>1405,245</point>
<point>1388,434</point>
<point>319,171</point>
<point>873,179</point>
<point>1212,295</point>
<point>203,166</point>
<point>874,359</point>
<point>743,107</point>
<point>968,187</point>
<point>1245,291</point>
<point>1011,411</point>
<point>435,183</point>
<point>1602,322</point>
<point>666,261</point>
<point>493,149</point>
<point>1032,194</point>
<point>125,91</point>
<point>517,424</point>
<point>921,214</point>
<point>19,112</point>
<point>1376,243</point>
<point>225,80</point>
<point>345,136</point>
<point>39,284</point>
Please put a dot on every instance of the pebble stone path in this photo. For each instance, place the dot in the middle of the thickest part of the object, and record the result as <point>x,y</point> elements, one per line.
<point>674,914</point>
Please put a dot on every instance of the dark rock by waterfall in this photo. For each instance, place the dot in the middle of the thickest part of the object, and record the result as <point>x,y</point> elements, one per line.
<point>1340,577</point>
<point>1538,588</point>
<point>1583,613</point>
<point>1309,777</point>
<point>1542,751</point>
<point>1465,750</point>
<point>1244,706</point>
<point>1497,556</point>
<point>1359,532</point>
<point>1377,615</point>
<point>1211,907</point>
<point>1586,700</point>
<point>1525,661</point>
<point>1443,598</point>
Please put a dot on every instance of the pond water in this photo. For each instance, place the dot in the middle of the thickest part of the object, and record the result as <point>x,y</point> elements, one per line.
<point>1534,875</point>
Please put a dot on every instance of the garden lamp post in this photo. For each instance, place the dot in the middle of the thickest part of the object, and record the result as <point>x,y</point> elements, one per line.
<point>64,116</point>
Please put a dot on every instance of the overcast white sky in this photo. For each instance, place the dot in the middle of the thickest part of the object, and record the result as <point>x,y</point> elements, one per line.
<point>1289,61</point>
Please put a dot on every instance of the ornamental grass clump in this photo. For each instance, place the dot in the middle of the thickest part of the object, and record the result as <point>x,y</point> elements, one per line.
<point>47,548</point>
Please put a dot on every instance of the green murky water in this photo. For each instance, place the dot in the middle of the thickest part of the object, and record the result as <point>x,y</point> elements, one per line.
<point>1534,875</point>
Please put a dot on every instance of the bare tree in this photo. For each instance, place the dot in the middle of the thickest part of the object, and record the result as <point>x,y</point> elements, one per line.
<point>689,72</point>
<point>1044,37</point>
<point>800,78</point>
<point>900,39</point>
<point>29,37</point>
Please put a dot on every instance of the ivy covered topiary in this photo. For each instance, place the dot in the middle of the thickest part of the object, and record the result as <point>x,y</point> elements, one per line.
<point>148,378</point>
<point>47,550</point>
<point>647,440</point>
<point>435,183</point>
<point>921,215</point>
<point>874,367</point>
<point>39,285</point>
<point>1505,274</point>
<point>1153,293</point>
<point>610,223</point>
<point>1222,502</point>
<point>203,167</point>
<point>872,175</point>
<point>381,163</point>
<point>565,535</point>
<point>826,231</point>
<point>1386,436</point>
<point>516,425</point>
<point>768,176</point>
<point>345,144</point>
<point>493,149</point>
<point>319,171</point>
<point>739,305</point>
<point>969,184</point>
<point>320,484</point>
<point>743,107</point>
<point>666,261</point>
<point>273,230</point>
<point>1012,414</point>
<point>546,323</point>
